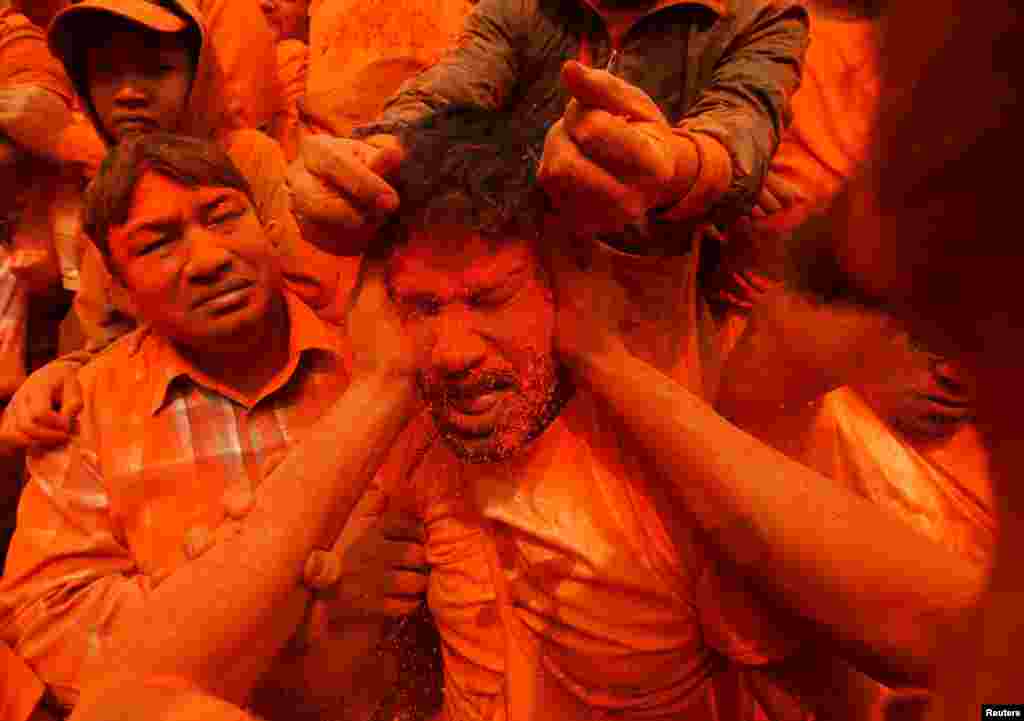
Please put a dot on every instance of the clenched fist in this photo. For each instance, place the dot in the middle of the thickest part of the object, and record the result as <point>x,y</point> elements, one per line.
<point>613,156</point>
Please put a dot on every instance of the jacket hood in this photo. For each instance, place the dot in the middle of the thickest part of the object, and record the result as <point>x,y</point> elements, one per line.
<point>206,113</point>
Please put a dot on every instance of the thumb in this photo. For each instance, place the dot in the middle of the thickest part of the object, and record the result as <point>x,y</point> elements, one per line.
<point>387,156</point>
<point>600,89</point>
<point>71,402</point>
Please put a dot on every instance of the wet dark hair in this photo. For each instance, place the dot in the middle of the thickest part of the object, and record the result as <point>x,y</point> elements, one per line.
<point>469,167</point>
<point>186,160</point>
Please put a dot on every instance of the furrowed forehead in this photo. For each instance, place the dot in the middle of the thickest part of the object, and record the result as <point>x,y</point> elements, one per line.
<point>457,256</point>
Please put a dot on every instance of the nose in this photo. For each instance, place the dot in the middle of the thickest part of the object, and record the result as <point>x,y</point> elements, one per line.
<point>459,348</point>
<point>133,91</point>
<point>208,261</point>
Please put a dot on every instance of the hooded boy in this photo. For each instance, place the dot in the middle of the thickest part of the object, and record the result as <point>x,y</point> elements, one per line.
<point>155,71</point>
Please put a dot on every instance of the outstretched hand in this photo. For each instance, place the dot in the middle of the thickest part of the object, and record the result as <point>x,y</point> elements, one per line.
<point>613,156</point>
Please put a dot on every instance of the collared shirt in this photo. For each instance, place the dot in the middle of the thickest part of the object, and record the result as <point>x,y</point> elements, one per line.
<point>144,483</point>
<point>566,579</point>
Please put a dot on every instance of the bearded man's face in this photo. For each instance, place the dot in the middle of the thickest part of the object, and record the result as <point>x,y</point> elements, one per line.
<point>492,380</point>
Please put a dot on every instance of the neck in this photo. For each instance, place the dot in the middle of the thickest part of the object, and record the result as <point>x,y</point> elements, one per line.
<point>249,361</point>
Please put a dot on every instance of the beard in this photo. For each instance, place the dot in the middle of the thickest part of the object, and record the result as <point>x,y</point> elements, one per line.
<point>536,397</point>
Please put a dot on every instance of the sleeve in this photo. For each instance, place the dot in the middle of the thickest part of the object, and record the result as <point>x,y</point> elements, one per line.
<point>35,109</point>
<point>292,71</point>
<point>739,117</point>
<point>243,45</point>
<point>481,69</point>
<point>20,689</point>
<point>25,58</point>
<point>69,578</point>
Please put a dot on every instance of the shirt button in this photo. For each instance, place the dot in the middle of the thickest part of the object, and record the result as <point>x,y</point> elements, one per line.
<point>238,502</point>
<point>198,541</point>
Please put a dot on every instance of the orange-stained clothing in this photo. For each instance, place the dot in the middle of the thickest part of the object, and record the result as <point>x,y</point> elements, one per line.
<point>942,488</point>
<point>567,578</point>
<point>106,518</point>
<point>359,54</point>
<point>834,114</point>
<point>34,215</point>
<point>26,59</point>
<point>13,329</point>
<point>20,689</point>
<point>292,69</point>
<point>243,45</point>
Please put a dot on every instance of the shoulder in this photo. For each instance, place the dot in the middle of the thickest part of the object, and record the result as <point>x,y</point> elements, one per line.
<point>258,158</point>
<point>119,369</point>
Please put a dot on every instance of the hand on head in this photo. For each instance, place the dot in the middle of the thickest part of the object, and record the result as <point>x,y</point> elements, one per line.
<point>338,190</point>
<point>613,156</point>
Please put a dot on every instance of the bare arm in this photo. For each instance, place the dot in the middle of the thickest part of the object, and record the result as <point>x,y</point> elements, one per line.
<point>243,598</point>
<point>40,122</point>
<point>867,580</point>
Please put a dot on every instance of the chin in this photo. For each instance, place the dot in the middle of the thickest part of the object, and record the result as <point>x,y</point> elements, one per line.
<point>492,449</point>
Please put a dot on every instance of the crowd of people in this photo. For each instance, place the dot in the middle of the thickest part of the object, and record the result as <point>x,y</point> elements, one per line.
<point>509,360</point>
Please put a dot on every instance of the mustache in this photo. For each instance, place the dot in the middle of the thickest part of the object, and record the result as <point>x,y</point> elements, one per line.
<point>439,391</point>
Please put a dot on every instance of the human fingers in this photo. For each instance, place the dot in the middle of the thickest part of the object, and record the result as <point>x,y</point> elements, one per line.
<point>601,89</point>
<point>35,410</point>
<point>618,146</point>
<point>786,193</point>
<point>71,402</point>
<point>345,167</point>
<point>42,435</point>
<point>577,186</point>
<point>767,203</point>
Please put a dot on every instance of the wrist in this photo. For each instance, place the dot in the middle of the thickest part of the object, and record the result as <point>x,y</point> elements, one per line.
<point>598,365</point>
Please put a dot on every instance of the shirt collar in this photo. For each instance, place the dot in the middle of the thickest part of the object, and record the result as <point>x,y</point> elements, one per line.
<point>307,332</point>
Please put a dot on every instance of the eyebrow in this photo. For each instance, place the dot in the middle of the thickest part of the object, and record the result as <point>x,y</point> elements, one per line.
<point>474,282</point>
<point>157,224</point>
<point>484,279</point>
<point>215,202</point>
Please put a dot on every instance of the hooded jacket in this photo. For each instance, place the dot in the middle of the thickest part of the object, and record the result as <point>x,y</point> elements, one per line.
<point>260,161</point>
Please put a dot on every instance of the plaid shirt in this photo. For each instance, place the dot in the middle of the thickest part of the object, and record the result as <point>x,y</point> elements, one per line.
<point>161,449</point>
